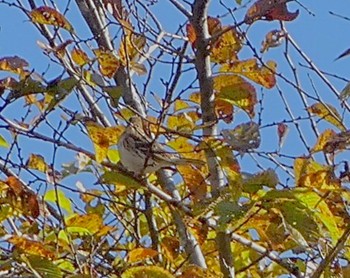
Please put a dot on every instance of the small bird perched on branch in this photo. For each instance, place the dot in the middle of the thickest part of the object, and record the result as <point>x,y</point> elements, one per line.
<point>141,154</point>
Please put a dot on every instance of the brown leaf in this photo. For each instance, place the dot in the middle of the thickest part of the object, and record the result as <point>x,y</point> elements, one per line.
<point>13,64</point>
<point>139,254</point>
<point>269,10</point>
<point>31,247</point>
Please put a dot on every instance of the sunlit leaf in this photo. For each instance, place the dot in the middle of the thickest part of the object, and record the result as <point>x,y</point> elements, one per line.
<point>309,173</point>
<point>37,162</point>
<point>262,75</point>
<point>31,247</point>
<point>103,138</point>
<point>226,47</point>
<point>323,140</point>
<point>235,90</point>
<point>146,272</point>
<point>130,47</point>
<point>214,26</point>
<point>3,142</point>
<point>243,137</point>
<point>181,122</point>
<point>108,62</point>
<point>316,204</point>
<point>91,222</point>
<point>328,113</point>
<point>48,15</point>
<point>139,254</point>
<point>58,197</point>
<point>79,57</point>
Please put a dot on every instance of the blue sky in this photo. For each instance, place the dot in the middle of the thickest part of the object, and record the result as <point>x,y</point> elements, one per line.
<point>321,36</point>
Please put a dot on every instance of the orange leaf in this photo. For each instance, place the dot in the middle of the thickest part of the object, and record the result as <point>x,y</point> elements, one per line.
<point>269,10</point>
<point>224,110</point>
<point>131,47</point>
<point>31,247</point>
<point>195,182</point>
<point>264,75</point>
<point>214,26</point>
<point>328,113</point>
<point>108,62</point>
<point>139,254</point>
<point>103,138</point>
<point>48,15</point>
<point>79,57</point>
<point>171,247</point>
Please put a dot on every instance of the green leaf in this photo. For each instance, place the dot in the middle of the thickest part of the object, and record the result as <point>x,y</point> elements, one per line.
<point>59,198</point>
<point>120,180</point>
<point>44,267</point>
<point>114,92</point>
<point>113,156</point>
<point>3,142</point>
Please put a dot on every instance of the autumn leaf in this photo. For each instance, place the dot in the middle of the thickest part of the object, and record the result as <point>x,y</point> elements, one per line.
<point>214,26</point>
<point>146,272</point>
<point>328,113</point>
<point>37,162</point>
<point>273,38</point>
<point>139,254</point>
<point>103,138</point>
<point>31,247</point>
<point>171,246</point>
<point>91,222</point>
<point>48,15</point>
<point>13,64</point>
<point>282,131</point>
<point>130,47</point>
<point>235,90</point>
<point>79,57</point>
<point>262,75</point>
<point>339,141</point>
<point>323,140</point>
<point>225,48</point>
<point>269,10</point>
<point>309,173</point>
<point>108,62</point>
<point>3,142</point>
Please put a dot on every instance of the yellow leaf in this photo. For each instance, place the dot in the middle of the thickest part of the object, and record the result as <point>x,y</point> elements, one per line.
<point>181,122</point>
<point>31,247</point>
<point>48,15</point>
<point>139,254</point>
<point>328,113</point>
<point>323,140</point>
<point>108,62</point>
<point>131,47</point>
<point>226,47</point>
<point>103,138</point>
<point>309,173</point>
<point>91,222</point>
<point>37,162</point>
<point>147,272</point>
<point>237,91</point>
<point>79,57</point>
<point>262,75</point>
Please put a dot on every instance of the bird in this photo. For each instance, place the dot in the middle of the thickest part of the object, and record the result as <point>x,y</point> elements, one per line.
<point>141,154</point>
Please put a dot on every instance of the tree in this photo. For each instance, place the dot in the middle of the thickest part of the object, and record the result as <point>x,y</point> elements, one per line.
<point>257,208</point>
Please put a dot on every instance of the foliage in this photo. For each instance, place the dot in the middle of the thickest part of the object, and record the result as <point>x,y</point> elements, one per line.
<point>68,207</point>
